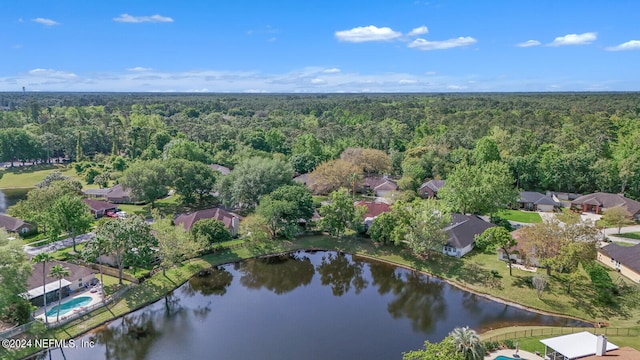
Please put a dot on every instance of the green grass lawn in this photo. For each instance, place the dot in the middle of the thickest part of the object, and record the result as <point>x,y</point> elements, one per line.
<point>633,235</point>
<point>521,216</point>
<point>29,176</point>
<point>624,243</point>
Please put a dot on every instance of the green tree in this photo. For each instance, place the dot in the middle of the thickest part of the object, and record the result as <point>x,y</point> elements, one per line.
<point>486,151</point>
<point>468,343</point>
<point>253,178</point>
<point>57,176</point>
<point>444,350</point>
<point>128,241</point>
<point>276,141</point>
<point>382,228</point>
<point>339,214</point>
<point>191,179</point>
<point>147,180</point>
<point>428,219</point>
<point>209,231</point>
<point>174,243</point>
<point>15,269</point>
<point>72,216</point>
<point>494,238</point>
<point>284,208</point>
<point>37,208</point>
<point>618,217</point>
<point>43,258</point>
<point>59,272</point>
<point>479,189</point>
<point>185,149</point>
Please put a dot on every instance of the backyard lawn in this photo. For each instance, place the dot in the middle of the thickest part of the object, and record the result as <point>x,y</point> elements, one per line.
<point>521,216</point>
<point>633,235</point>
<point>28,176</point>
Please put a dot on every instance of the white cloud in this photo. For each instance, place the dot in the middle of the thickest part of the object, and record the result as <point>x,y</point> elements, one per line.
<point>45,22</point>
<point>51,73</point>
<point>422,44</point>
<point>418,31</point>
<point>629,45</point>
<point>367,33</point>
<point>575,39</point>
<point>331,71</point>
<point>139,68</point>
<point>302,80</point>
<point>528,43</point>
<point>126,18</point>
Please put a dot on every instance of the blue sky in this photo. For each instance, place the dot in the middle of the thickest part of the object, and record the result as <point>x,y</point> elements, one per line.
<point>319,46</point>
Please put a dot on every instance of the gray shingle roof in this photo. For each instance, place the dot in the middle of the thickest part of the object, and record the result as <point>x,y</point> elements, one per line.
<point>536,198</point>
<point>628,256</point>
<point>75,272</point>
<point>11,223</point>
<point>464,228</point>
<point>434,185</point>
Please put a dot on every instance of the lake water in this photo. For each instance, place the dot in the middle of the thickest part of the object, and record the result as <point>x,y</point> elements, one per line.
<point>307,305</point>
<point>9,197</point>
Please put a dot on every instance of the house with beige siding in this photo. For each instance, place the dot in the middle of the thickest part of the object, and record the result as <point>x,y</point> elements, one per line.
<point>624,259</point>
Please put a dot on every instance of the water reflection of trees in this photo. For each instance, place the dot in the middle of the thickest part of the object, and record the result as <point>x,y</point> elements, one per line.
<point>338,272</point>
<point>417,297</point>
<point>214,281</point>
<point>280,274</point>
<point>134,335</point>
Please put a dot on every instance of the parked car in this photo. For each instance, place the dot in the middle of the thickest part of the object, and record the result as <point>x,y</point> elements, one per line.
<point>121,214</point>
<point>111,214</point>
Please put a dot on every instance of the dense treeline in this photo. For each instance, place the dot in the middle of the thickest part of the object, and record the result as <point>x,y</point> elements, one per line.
<point>580,142</point>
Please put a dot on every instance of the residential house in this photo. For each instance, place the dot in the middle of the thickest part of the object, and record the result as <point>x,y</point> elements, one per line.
<point>222,169</point>
<point>120,195</point>
<point>95,193</point>
<point>582,345</point>
<point>535,201</point>
<point>599,202</point>
<point>625,259</point>
<point>430,188</point>
<point>380,186</point>
<point>462,231</point>
<point>15,225</point>
<point>518,253</point>
<point>99,208</point>
<point>374,209</point>
<point>79,278</point>
<point>230,220</point>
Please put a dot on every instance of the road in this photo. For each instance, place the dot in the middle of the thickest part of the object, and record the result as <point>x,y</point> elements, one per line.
<point>54,246</point>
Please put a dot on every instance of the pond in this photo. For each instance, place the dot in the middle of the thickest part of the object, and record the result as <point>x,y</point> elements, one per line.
<point>306,305</point>
<point>9,197</point>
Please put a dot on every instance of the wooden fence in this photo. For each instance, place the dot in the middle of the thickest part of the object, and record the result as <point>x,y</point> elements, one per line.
<point>557,331</point>
<point>107,270</point>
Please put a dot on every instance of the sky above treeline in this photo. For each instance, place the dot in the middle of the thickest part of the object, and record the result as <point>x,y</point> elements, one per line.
<point>319,46</point>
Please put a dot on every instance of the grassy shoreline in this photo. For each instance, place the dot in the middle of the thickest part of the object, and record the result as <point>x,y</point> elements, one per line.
<point>464,273</point>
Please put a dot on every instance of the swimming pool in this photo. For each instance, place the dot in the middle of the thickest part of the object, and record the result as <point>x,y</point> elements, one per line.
<point>504,358</point>
<point>70,305</point>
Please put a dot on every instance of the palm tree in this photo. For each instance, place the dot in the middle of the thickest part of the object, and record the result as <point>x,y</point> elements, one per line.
<point>59,273</point>
<point>354,178</point>
<point>468,342</point>
<point>43,258</point>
